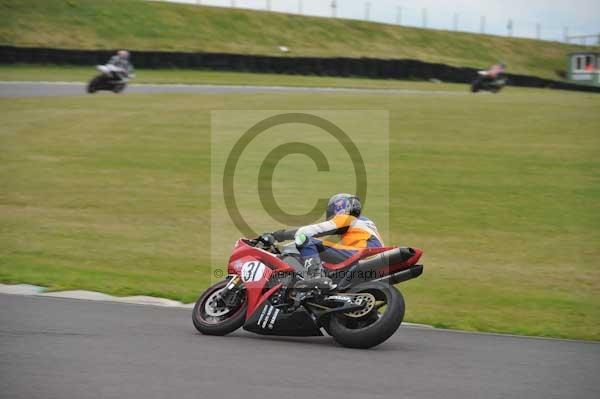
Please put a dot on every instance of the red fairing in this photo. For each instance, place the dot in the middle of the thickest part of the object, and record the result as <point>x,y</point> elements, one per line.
<point>255,267</point>
<point>242,250</point>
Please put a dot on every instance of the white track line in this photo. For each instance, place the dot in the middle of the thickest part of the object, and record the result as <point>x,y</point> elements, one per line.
<point>26,289</point>
<point>43,82</point>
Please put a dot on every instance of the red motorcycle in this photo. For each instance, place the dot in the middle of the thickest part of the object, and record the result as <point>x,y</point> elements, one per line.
<point>264,292</point>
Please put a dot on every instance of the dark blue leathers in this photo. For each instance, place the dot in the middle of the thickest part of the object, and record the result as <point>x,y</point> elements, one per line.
<point>314,248</point>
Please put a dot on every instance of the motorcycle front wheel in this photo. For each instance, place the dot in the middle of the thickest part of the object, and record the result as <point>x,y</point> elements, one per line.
<point>385,306</point>
<point>213,317</point>
<point>94,84</point>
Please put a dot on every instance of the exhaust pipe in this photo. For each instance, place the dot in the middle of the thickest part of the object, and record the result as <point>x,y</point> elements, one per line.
<point>387,258</point>
<point>398,277</point>
<point>377,267</point>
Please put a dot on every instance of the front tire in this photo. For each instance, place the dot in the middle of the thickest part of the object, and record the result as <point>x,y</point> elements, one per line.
<point>94,84</point>
<point>373,328</point>
<point>210,321</point>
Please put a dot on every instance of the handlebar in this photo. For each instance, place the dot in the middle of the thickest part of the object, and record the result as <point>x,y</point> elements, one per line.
<point>284,235</point>
<point>264,241</point>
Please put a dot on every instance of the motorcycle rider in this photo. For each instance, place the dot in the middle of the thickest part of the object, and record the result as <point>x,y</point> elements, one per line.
<point>495,71</point>
<point>121,60</point>
<point>343,217</point>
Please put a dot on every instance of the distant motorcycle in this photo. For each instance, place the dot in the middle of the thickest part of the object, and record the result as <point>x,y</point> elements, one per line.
<point>488,83</point>
<point>112,78</point>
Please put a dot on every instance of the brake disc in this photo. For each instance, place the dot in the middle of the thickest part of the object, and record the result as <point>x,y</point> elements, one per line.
<point>363,298</point>
<point>212,306</point>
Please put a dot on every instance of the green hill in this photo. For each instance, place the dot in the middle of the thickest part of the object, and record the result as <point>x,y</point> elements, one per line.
<point>144,25</point>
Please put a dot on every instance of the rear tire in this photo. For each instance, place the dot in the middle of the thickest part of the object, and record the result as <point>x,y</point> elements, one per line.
<point>217,326</point>
<point>118,88</point>
<point>378,328</point>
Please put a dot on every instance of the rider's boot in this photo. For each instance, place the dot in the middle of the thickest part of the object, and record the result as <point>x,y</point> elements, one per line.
<point>315,276</point>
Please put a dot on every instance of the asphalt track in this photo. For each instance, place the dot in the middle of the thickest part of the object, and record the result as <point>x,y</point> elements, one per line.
<point>43,89</point>
<point>65,348</point>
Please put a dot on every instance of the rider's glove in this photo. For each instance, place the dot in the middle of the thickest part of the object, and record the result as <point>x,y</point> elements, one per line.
<point>300,240</point>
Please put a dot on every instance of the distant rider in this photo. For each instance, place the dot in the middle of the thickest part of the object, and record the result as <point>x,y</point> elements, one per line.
<point>343,217</point>
<point>495,71</point>
<point>121,60</point>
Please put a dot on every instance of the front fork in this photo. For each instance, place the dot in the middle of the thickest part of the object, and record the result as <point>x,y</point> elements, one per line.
<point>232,287</point>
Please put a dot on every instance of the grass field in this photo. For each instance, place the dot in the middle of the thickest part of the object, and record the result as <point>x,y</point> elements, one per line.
<point>160,76</point>
<point>111,193</point>
<point>145,25</point>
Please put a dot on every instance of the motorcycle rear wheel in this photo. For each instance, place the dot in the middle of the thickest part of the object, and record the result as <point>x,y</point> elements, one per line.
<point>223,320</point>
<point>118,88</point>
<point>373,328</point>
